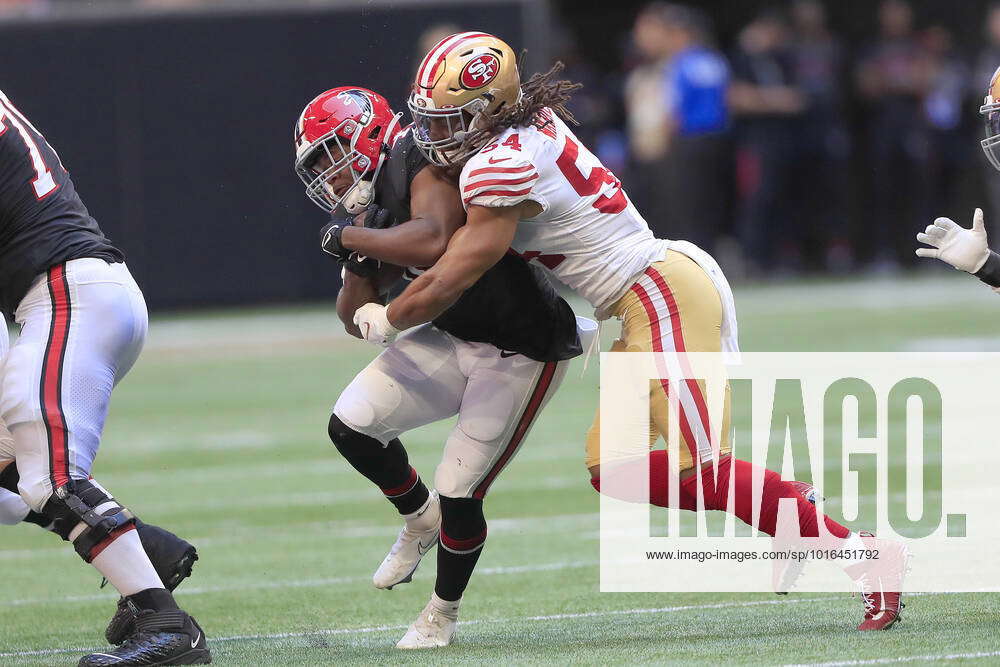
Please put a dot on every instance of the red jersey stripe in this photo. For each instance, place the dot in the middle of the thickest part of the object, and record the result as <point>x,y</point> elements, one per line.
<point>501,170</point>
<point>506,180</point>
<point>498,193</point>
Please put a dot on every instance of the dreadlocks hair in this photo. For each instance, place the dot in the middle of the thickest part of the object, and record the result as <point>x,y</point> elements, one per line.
<point>540,91</point>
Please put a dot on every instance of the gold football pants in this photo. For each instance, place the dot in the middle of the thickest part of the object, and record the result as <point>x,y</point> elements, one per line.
<point>673,307</point>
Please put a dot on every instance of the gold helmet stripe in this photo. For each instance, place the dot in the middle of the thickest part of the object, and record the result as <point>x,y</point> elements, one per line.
<point>437,55</point>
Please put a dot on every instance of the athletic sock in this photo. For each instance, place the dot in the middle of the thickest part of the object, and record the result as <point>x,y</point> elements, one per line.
<point>153,599</point>
<point>410,496</point>
<point>716,494</point>
<point>741,475</point>
<point>125,564</point>
<point>463,534</point>
<point>385,465</point>
<point>447,608</point>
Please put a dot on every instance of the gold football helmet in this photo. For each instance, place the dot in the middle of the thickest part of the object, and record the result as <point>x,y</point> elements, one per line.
<point>991,109</point>
<point>466,78</point>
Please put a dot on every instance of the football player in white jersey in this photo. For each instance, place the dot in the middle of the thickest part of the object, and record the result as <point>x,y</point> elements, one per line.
<point>531,188</point>
<point>966,249</point>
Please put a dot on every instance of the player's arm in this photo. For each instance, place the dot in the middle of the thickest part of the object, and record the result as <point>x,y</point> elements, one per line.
<point>358,290</point>
<point>964,249</point>
<point>436,207</point>
<point>473,249</point>
<point>355,292</point>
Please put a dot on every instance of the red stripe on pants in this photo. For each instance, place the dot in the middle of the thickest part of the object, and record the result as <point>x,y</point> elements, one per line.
<point>675,318</point>
<point>657,340</point>
<point>537,396</point>
<point>50,386</point>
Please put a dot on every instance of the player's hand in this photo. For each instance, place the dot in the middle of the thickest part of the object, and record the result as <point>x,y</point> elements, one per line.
<point>364,267</point>
<point>377,217</point>
<point>965,249</point>
<point>330,239</point>
<point>372,321</point>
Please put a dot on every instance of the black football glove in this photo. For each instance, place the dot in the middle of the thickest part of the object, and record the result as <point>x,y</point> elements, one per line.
<point>366,267</point>
<point>378,218</point>
<point>330,239</point>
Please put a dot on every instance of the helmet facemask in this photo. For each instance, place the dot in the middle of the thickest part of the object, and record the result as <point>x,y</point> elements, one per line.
<point>458,129</point>
<point>318,176</point>
<point>991,144</point>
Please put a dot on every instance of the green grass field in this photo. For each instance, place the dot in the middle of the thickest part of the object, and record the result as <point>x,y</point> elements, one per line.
<point>219,434</point>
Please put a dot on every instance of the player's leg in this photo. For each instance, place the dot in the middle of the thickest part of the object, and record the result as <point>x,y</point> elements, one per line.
<point>83,325</point>
<point>414,382</point>
<point>172,557</point>
<point>503,399</point>
<point>680,313</point>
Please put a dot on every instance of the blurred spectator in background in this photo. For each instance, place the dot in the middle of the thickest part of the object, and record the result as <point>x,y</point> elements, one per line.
<point>769,107</point>
<point>646,115</point>
<point>677,109</point>
<point>595,106</point>
<point>823,145</point>
<point>986,65</point>
<point>945,111</point>
<point>893,77</point>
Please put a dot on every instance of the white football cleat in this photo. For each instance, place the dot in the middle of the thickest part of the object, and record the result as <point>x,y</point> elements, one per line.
<point>433,628</point>
<point>419,535</point>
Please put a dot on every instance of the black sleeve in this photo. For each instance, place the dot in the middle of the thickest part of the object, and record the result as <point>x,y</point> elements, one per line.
<point>990,272</point>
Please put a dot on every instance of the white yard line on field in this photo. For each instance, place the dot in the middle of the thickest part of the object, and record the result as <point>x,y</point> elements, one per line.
<point>297,583</point>
<point>909,658</point>
<point>507,621</point>
<point>345,530</point>
<point>382,628</point>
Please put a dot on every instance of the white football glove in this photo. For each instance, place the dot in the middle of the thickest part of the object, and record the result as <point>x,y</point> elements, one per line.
<point>371,319</point>
<point>965,249</point>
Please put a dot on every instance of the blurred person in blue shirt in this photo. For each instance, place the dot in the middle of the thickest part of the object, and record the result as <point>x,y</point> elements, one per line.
<point>678,120</point>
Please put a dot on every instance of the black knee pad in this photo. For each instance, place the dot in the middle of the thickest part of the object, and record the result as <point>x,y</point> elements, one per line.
<point>385,465</point>
<point>80,502</point>
<point>462,518</point>
<point>9,478</point>
<point>349,442</point>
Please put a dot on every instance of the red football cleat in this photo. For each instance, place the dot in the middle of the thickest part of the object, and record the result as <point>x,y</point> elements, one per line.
<point>880,581</point>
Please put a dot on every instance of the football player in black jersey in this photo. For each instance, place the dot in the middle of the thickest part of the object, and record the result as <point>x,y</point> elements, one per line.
<point>82,324</point>
<point>494,358</point>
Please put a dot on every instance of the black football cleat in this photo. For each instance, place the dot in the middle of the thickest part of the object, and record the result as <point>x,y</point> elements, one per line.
<point>172,558</point>
<point>169,637</point>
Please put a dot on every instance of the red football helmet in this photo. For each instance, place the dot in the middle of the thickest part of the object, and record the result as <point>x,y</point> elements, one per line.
<point>342,138</point>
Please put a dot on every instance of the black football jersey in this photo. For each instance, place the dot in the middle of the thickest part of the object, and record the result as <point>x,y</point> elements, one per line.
<point>513,306</point>
<point>42,220</point>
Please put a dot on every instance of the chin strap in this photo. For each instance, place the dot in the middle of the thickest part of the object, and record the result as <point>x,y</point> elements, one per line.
<point>359,198</point>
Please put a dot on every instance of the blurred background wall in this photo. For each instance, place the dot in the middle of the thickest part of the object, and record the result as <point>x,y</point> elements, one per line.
<point>788,138</point>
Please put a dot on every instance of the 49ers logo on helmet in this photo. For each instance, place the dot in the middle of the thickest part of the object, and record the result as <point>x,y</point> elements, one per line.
<point>480,71</point>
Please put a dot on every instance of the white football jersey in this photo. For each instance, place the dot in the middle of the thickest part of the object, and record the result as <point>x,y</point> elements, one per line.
<point>589,235</point>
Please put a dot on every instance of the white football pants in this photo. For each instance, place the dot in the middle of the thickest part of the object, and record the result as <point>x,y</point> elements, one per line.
<point>427,375</point>
<point>83,324</point>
